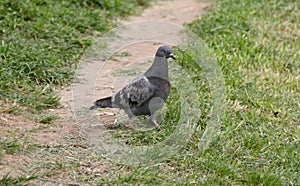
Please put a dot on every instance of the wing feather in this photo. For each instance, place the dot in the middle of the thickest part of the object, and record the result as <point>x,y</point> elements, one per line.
<point>135,93</point>
<point>139,91</point>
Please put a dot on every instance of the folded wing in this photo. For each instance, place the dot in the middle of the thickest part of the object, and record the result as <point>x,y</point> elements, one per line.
<point>134,94</point>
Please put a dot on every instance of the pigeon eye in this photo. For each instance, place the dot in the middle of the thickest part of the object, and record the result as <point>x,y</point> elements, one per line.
<point>164,51</point>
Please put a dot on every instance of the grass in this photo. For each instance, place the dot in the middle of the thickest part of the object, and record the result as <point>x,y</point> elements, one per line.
<point>12,146</point>
<point>40,47</point>
<point>42,42</point>
<point>256,43</point>
<point>10,181</point>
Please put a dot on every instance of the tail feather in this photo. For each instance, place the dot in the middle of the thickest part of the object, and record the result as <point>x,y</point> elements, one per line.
<point>102,103</point>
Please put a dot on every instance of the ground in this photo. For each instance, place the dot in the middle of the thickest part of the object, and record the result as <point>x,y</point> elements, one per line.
<point>56,152</point>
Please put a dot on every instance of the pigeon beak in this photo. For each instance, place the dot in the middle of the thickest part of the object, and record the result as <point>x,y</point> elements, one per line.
<point>172,56</point>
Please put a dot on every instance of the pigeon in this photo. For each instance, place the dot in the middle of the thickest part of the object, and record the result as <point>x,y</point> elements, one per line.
<point>145,94</point>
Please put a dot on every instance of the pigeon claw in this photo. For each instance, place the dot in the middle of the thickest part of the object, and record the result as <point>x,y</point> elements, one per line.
<point>131,124</point>
<point>156,124</point>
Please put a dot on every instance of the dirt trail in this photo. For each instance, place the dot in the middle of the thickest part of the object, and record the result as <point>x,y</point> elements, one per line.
<point>96,80</point>
<point>132,44</point>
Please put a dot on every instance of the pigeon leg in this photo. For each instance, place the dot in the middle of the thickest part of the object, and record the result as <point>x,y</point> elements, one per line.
<point>130,116</point>
<point>155,104</point>
<point>131,124</point>
<point>153,120</point>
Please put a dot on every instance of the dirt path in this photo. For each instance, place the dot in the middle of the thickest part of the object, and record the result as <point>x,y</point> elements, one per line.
<point>60,140</point>
<point>130,46</point>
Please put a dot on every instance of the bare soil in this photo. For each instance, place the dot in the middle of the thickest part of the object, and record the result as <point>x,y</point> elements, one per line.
<point>61,141</point>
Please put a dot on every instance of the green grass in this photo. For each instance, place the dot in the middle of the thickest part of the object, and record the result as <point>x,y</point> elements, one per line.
<point>10,181</point>
<point>257,44</point>
<point>12,146</point>
<point>42,42</point>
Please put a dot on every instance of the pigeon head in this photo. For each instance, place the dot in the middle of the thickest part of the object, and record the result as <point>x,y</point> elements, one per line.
<point>165,51</point>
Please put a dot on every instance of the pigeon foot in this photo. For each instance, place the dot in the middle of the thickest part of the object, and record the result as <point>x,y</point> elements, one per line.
<point>131,124</point>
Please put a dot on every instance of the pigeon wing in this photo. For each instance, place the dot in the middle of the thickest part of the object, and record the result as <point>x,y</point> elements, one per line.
<point>135,93</point>
<point>139,91</point>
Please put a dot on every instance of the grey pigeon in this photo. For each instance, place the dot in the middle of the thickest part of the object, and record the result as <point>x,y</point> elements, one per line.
<point>146,93</point>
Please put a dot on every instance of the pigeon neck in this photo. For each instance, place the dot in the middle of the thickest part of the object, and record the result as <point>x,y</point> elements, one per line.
<point>159,68</point>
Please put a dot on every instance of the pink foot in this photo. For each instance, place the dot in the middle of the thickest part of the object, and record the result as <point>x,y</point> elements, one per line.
<point>131,124</point>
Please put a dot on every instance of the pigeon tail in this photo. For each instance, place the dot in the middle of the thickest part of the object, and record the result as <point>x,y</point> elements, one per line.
<point>102,103</point>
